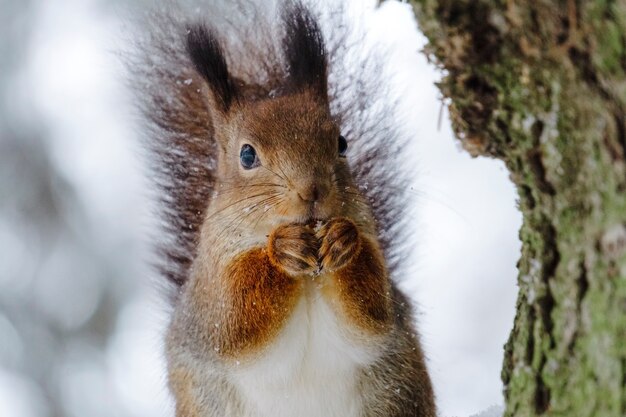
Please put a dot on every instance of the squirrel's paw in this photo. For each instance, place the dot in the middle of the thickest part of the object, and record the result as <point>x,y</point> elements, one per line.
<point>294,248</point>
<point>340,243</point>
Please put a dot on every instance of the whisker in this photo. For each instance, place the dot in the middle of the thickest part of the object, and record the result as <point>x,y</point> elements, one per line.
<point>239,202</point>
<point>233,217</point>
<point>277,201</point>
<point>278,175</point>
<point>238,187</point>
<point>244,215</point>
<point>283,172</point>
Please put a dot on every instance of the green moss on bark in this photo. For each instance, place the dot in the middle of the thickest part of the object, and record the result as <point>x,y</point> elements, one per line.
<point>541,85</point>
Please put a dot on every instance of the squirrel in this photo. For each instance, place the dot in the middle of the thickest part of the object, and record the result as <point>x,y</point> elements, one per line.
<point>281,207</point>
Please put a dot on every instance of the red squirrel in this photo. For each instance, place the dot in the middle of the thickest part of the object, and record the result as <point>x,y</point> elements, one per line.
<point>282,220</point>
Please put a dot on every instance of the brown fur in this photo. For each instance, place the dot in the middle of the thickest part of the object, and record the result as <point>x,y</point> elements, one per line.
<point>340,243</point>
<point>248,244</point>
<point>293,248</point>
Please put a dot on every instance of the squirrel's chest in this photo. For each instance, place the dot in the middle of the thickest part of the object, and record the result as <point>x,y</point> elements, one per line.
<point>312,369</point>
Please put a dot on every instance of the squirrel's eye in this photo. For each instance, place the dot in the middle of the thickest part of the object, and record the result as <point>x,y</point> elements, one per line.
<point>248,157</point>
<point>343,146</point>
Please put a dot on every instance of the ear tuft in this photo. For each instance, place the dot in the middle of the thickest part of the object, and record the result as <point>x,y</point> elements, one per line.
<point>303,46</point>
<point>208,59</point>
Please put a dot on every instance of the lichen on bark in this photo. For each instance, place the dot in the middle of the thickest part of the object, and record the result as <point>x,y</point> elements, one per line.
<point>541,85</point>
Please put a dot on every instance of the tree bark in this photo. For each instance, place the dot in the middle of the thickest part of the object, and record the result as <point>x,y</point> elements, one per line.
<point>540,84</point>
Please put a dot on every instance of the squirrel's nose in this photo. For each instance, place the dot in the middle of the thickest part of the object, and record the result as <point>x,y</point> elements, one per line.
<point>313,193</point>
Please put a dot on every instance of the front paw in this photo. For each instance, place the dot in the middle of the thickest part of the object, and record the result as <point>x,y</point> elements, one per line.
<point>294,249</point>
<point>340,243</point>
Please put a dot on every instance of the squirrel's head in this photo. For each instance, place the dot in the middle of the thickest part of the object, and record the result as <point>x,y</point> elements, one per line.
<point>280,159</point>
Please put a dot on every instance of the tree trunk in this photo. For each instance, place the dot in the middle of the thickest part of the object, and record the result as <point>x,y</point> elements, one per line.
<point>540,84</point>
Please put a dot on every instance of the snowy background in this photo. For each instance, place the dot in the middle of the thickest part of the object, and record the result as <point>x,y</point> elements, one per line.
<point>80,319</point>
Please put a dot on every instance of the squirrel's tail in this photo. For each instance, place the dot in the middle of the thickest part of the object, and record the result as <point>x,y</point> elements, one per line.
<point>178,130</point>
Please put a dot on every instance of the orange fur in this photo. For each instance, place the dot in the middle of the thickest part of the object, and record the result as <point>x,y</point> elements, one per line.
<point>362,291</point>
<point>261,297</point>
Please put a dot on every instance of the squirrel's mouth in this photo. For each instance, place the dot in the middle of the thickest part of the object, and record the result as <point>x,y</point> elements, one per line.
<point>315,222</point>
<point>315,217</point>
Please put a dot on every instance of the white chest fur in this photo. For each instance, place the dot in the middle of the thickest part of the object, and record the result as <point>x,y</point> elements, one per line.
<point>311,370</point>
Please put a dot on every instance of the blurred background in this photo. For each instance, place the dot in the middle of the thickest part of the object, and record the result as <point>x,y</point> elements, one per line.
<point>81,317</point>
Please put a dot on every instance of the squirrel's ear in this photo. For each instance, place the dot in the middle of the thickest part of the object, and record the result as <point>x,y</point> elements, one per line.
<point>304,50</point>
<point>208,59</point>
